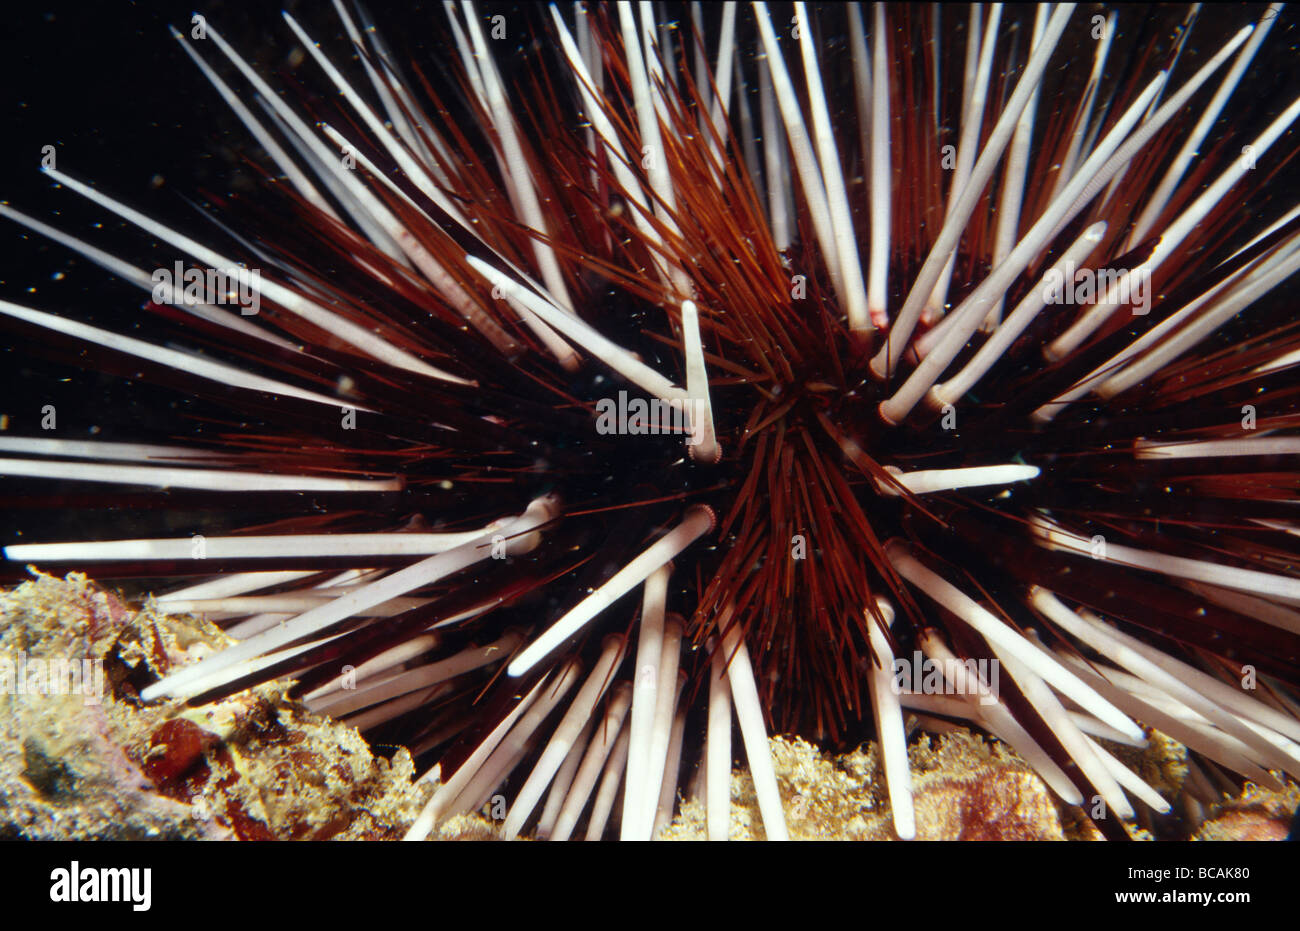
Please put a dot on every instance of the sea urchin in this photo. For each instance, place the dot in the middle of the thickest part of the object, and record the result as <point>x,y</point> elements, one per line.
<point>848,342</point>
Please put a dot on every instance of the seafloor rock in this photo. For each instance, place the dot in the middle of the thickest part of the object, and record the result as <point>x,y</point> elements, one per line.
<point>102,765</point>
<point>964,789</point>
<point>1257,814</point>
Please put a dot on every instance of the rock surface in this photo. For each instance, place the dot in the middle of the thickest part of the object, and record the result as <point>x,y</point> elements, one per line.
<point>104,766</point>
